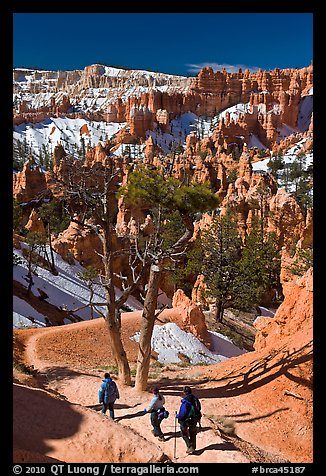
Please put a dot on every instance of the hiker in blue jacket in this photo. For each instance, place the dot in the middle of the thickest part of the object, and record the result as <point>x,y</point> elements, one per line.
<point>108,394</point>
<point>188,424</point>
<point>156,404</point>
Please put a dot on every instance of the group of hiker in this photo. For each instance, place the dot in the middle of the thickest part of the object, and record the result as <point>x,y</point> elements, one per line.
<point>188,416</point>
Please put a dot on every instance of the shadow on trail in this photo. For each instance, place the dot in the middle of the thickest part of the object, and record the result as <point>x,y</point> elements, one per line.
<point>43,419</point>
<point>131,415</point>
<point>62,372</point>
<point>237,415</point>
<point>225,446</point>
<point>261,373</point>
<point>238,420</point>
<point>49,375</point>
<point>124,405</point>
<point>171,434</point>
<point>117,406</point>
<point>176,388</point>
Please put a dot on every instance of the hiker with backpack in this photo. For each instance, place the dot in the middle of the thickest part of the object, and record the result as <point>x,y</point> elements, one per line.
<point>158,412</point>
<point>188,417</point>
<point>108,394</point>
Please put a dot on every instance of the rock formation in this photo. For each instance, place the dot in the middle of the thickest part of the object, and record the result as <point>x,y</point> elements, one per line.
<point>293,315</point>
<point>276,378</point>
<point>35,223</point>
<point>193,318</point>
<point>29,183</point>
<point>273,96</point>
<point>80,244</point>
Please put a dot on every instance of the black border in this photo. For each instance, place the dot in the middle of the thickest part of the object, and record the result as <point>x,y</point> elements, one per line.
<point>6,189</point>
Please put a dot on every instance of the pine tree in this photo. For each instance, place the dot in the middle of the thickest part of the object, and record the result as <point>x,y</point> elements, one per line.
<point>55,220</point>
<point>235,274</point>
<point>221,248</point>
<point>17,218</point>
<point>275,164</point>
<point>34,241</point>
<point>259,267</point>
<point>302,262</point>
<point>168,199</point>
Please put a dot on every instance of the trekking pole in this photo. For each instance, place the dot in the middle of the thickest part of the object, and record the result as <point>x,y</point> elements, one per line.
<point>175,436</point>
<point>199,425</point>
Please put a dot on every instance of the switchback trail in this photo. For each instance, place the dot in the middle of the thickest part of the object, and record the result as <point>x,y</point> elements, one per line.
<point>81,388</point>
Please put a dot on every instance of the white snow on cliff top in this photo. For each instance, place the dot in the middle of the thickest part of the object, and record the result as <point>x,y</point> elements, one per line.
<point>48,133</point>
<point>114,72</point>
<point>111,71</point>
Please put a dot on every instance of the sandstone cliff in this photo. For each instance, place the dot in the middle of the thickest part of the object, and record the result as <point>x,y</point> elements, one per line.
<point>276,378</point>
<point>103,93</point>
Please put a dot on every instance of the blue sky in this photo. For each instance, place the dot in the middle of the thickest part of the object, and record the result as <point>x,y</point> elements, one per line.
<point>176,43</point>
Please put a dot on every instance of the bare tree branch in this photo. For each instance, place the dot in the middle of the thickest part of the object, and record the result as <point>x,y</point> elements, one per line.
<point>160,311</point>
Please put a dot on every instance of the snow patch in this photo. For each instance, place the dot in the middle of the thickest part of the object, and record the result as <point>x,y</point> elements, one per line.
<point>64,290</point>
<point>289,157</point>
<point>169,341</point>
<point>25,315</point>
<point>305,112</point>
<point>54,130</point>
<point>255,142</point>
<point>67,290</point>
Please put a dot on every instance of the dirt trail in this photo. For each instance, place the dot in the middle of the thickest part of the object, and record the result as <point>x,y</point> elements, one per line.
<point>255,391</point>
<point>81,388</point>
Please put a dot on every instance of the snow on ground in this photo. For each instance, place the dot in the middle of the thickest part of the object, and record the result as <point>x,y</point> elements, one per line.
<point>34,319</point>
<point>67,131</point>
<point>288,157</point>
<point>261,165</point>
<point>236,110</point>
<point>255,142</point>
<point>133,151</point>
<point>266,312</point>
<point>305,111</point>
<point>37,89</point>
<point>181,126</point>
<point>67,290</point>
<point>188,122</point>
<point>284,131</point>
<point>53,130</point>
<point>224,346</point>
<point>169,340</point>
<point>49,133</point>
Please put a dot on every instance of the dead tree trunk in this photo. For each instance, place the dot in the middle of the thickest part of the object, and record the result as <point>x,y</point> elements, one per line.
<point>112,317</point>
<point>146,331</point>
<point>118,351</point>
<point>219,310</point>
<point>52,264</point>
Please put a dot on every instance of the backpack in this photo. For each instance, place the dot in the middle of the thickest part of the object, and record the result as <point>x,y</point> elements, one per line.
<point>194,413</point>
<point>109,392</point>
<point>162,413</point>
